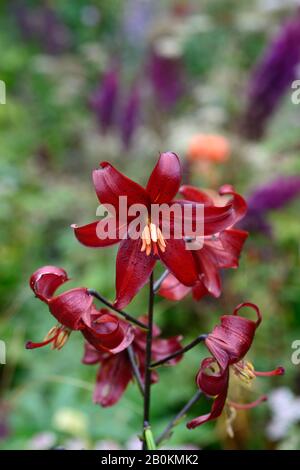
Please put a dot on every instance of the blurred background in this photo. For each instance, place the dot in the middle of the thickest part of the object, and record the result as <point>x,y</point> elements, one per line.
<point>121,81</point>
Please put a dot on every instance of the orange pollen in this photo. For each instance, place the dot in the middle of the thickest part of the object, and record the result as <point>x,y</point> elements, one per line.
<point>152,239</point>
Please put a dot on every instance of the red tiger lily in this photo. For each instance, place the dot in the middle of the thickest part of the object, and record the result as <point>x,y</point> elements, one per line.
<point>219,251</point>
<point>74,310</point>
<point>115,371</point>
<point>228,343</point>
<point>136,257</point>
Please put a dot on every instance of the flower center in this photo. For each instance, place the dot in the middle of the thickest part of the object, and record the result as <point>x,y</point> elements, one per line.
<point>244,370</point>
<point>152,239</point>
<point>58,336</point>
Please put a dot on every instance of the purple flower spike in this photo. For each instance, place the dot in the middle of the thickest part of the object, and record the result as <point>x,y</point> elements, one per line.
<point>130,116</point>
<point>166,75</point>
<point>104,99</point>
<point>272,77</point>
<point>270,196</point>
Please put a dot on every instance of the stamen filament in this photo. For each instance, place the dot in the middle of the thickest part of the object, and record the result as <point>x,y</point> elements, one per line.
<point>277,371</point>
<point>247,406</point>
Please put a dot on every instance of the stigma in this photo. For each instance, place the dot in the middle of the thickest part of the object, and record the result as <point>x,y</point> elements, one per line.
<point>152,239</point>
<point>57,337</point>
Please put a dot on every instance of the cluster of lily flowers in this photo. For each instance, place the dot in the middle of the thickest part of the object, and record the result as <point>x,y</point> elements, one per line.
<point>110,340</point>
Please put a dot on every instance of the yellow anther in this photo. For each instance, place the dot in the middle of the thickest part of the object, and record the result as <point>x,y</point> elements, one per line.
<point>245,371</point>
<point>59,334</point>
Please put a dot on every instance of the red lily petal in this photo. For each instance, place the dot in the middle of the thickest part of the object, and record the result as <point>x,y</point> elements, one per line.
<point>92,355</point>
<point>199,291</point>
<point>224,250</point>
<point>46,280</point>
<point>165,179</point>
<point>232,241</point>
<point>209,272</point>
<point>90,235</point>
<point>106,331</point>
<point>213,384</point>
<point>164,347</point>
<point>249,305</point>
<point>69,307</point>
<point>194,194</point>
<point>238,203</point>
<point>112,379</point>
<point>110,184</point>
<point>172,289</point>
<point>180,261</point>
<point>217,218</point>
<point>230,341</point>
<point>133,269</point>
<point>140,355</point>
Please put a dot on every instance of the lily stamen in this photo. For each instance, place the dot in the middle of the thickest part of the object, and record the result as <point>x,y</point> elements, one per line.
<point>152,239</point>
<point>58,336</point>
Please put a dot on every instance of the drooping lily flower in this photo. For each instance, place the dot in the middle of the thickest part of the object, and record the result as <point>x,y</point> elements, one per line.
<point>137,256</point>
<point>115,370</point>
<point>219,251</point>
<point>74,310</point>
<point>228,343</point>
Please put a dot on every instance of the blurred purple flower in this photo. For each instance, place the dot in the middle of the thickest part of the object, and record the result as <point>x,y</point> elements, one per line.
<point>270,196</point>
<point>43,25</point>
<point>130,116</point>
<point>104,100</point>
<point>137,19</point>
<point>272,77</point>
<point>166,76</point>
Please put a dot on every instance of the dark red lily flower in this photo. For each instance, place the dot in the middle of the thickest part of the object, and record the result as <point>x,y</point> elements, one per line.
<point>219,251</point>
<point>115,371</point>
<point>137,257</point>
<point>228,343</point>
<point>74,310</point>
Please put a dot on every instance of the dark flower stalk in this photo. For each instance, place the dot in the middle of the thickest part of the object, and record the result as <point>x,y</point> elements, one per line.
<point>147,390</point>
<point>167,432</point>
<point>116,309</point>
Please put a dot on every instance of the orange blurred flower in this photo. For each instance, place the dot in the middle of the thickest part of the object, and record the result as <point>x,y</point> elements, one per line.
<point>208,147</point>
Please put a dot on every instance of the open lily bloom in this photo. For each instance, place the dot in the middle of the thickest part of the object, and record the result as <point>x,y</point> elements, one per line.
<point>115,370</point>
<point>219,251</point>
<point>228,343</point>
<point>74,310</point>
<point>137,256</point>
